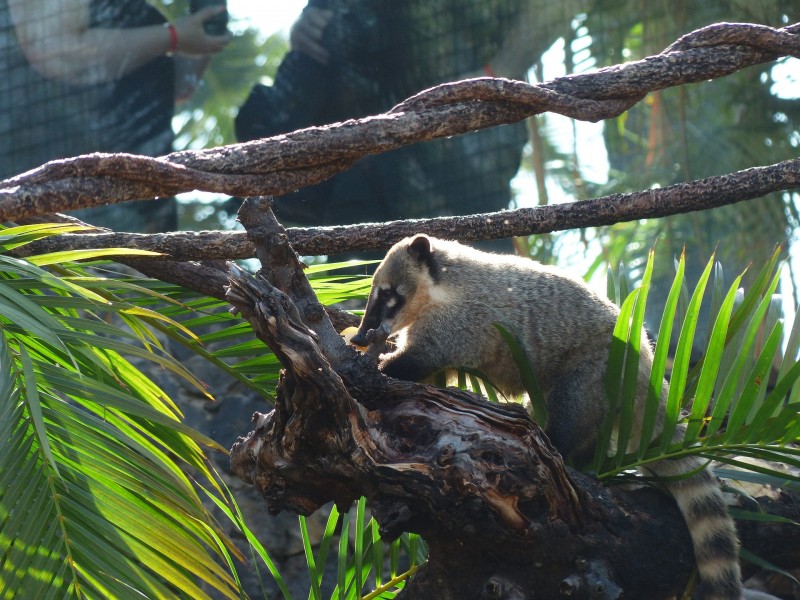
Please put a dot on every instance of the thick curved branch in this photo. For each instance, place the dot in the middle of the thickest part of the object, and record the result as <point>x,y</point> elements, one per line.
<point>701,194</point>
<point>499,511</point>
<point>282,268</point>
<point>283,163</point>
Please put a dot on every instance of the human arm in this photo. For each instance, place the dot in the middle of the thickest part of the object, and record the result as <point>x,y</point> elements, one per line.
<point>58,42</point>
<point>188,73</point>
<point>306,33</point>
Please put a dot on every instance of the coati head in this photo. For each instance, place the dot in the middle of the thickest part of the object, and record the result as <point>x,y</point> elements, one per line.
<point>408,268</point>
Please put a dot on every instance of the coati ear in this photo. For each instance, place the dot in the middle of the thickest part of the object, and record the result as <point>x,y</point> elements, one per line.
<point>420,248</point>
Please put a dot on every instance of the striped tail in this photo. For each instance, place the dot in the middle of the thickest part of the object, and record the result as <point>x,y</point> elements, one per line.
<point>716,546</point>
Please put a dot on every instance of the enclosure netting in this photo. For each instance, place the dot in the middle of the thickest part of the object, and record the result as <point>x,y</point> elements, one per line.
<point>53,105</point>
<point>380,53</point>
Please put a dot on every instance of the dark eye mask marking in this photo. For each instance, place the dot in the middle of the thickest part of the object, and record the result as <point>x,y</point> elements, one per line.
<point>388,302</point>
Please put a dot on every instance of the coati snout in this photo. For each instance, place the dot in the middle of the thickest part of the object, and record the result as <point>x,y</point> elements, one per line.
<point>393,283</point>
<point>382,307</point>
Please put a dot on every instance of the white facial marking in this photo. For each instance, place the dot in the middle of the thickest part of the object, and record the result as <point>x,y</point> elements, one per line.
<point>380,288</point>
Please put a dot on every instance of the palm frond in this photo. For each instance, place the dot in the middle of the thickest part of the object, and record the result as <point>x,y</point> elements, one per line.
<point>95,500</point>
<point>660,357</point>
<point>738,413</point>
<point>360,556</point>
<point>630,372</point>
<point>205,326</point>
<point>615,383</point>
<point>683,355</point>
<point>97,471</point>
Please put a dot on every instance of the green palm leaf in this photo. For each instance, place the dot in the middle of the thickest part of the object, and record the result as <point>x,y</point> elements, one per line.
<point>96,476</point>
<point>727,394</point>
<point>631,341</point>
<point>660,359</point>
<point>683,354</point>
<point>615,380</point>
<point>95,500</point>
<point>733,414</point>
<point>711,367</point>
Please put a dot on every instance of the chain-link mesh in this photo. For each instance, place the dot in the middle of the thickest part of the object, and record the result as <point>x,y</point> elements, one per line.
<point>52,105</point>
<point>381,53</point>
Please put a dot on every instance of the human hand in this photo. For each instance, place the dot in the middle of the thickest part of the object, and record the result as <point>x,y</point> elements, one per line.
<point>192,38</point>
<point>306,33</point>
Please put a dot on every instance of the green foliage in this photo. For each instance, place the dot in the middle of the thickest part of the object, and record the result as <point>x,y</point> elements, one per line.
<point>735,412</point>
<point>361,556</point>
<point>96,499</point>
<point>623,366</point>
<point>209,330</point>
<point>100,481</point>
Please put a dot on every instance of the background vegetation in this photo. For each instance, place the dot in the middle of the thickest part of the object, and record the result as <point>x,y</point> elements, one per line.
<point>102,486</point>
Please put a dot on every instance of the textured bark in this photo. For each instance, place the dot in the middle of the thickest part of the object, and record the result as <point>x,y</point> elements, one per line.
<point>479,481</point>
<point>284,163</point>
<point>701,194</point>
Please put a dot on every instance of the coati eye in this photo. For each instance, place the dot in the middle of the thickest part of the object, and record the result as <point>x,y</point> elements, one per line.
<point>389,300</point>
<point>387,297</point>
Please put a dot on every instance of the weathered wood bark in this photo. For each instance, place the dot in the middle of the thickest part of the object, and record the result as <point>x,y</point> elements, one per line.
<point>701,194</point>
<point>500,512</point>
<point>283,163</point>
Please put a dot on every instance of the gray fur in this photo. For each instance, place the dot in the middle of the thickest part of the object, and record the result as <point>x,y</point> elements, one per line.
<point>442,298</point>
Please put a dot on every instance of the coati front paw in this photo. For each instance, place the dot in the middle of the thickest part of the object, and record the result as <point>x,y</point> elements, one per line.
<point>371,336</point>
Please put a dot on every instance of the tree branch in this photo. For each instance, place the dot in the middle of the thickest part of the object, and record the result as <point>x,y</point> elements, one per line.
<point>479,481</point>
<point>701,194</point>
<point>283,163</point>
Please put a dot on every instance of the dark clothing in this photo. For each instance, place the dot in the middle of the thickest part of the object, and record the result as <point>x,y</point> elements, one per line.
<point>42,119</point>
<point>381,53</point>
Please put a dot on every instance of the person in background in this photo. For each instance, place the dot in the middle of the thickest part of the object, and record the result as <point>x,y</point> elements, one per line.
<point>353,58</point>
<point>97,76</point>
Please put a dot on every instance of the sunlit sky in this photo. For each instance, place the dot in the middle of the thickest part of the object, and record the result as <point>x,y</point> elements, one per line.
<point>270,17</point>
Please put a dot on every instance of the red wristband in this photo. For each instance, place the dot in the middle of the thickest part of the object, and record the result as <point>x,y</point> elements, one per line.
<point>173,38</point>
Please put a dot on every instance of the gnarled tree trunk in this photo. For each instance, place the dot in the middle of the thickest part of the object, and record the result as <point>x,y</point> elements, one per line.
<point>501,514</point>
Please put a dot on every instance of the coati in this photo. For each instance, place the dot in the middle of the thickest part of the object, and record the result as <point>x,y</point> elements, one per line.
<point>440,299</point>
